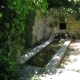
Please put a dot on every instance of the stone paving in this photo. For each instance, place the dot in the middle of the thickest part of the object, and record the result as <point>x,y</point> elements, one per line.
<point>71,60</point>
<point>60,74</point>
<point>28,72</point>
<point>69,68</point>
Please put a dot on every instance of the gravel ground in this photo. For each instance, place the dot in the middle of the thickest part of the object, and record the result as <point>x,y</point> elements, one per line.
<point>71,59</point>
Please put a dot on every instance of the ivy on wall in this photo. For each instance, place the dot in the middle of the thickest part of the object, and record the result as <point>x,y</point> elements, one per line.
<point>29,27</point>
<point>16,20</point>
<point>70,6</point>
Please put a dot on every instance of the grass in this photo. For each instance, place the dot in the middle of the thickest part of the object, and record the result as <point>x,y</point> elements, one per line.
<point>44,56</point>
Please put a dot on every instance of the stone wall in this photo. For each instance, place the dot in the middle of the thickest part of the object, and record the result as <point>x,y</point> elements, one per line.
<point>72,24</point>
<point>74,28</point>
<point>41,29</point>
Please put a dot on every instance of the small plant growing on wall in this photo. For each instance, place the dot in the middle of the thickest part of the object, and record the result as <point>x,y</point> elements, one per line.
<point>56,23</point>
<point>53,24</point>
<point>62,18</point>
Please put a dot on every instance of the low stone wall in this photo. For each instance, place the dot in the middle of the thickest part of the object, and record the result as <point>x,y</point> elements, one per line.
<point>34,51</point>
<point>55,61</point>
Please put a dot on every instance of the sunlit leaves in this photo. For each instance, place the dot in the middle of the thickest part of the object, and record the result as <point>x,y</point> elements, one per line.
<point>22,6</point>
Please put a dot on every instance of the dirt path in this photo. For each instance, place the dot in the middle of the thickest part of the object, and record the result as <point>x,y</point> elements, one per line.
<point>71,60</point>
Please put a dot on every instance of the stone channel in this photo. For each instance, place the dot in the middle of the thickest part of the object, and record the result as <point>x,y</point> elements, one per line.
<point>30,71</point>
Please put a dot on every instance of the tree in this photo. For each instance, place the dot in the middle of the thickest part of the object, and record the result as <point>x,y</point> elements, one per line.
<point>70,6</point>
<point>13,16</point>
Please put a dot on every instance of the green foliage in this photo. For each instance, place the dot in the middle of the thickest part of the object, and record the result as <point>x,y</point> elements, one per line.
<point>35,77</point>
<point>60,3</point>
<point>70,6</point>
<point>29,27</point>
<point>16,21</point>
<point>1,15</point>
<point>8,46</point>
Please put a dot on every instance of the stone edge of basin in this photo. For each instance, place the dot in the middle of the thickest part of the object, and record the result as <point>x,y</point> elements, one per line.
<point>55,61</point>
<point>34,51</point>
